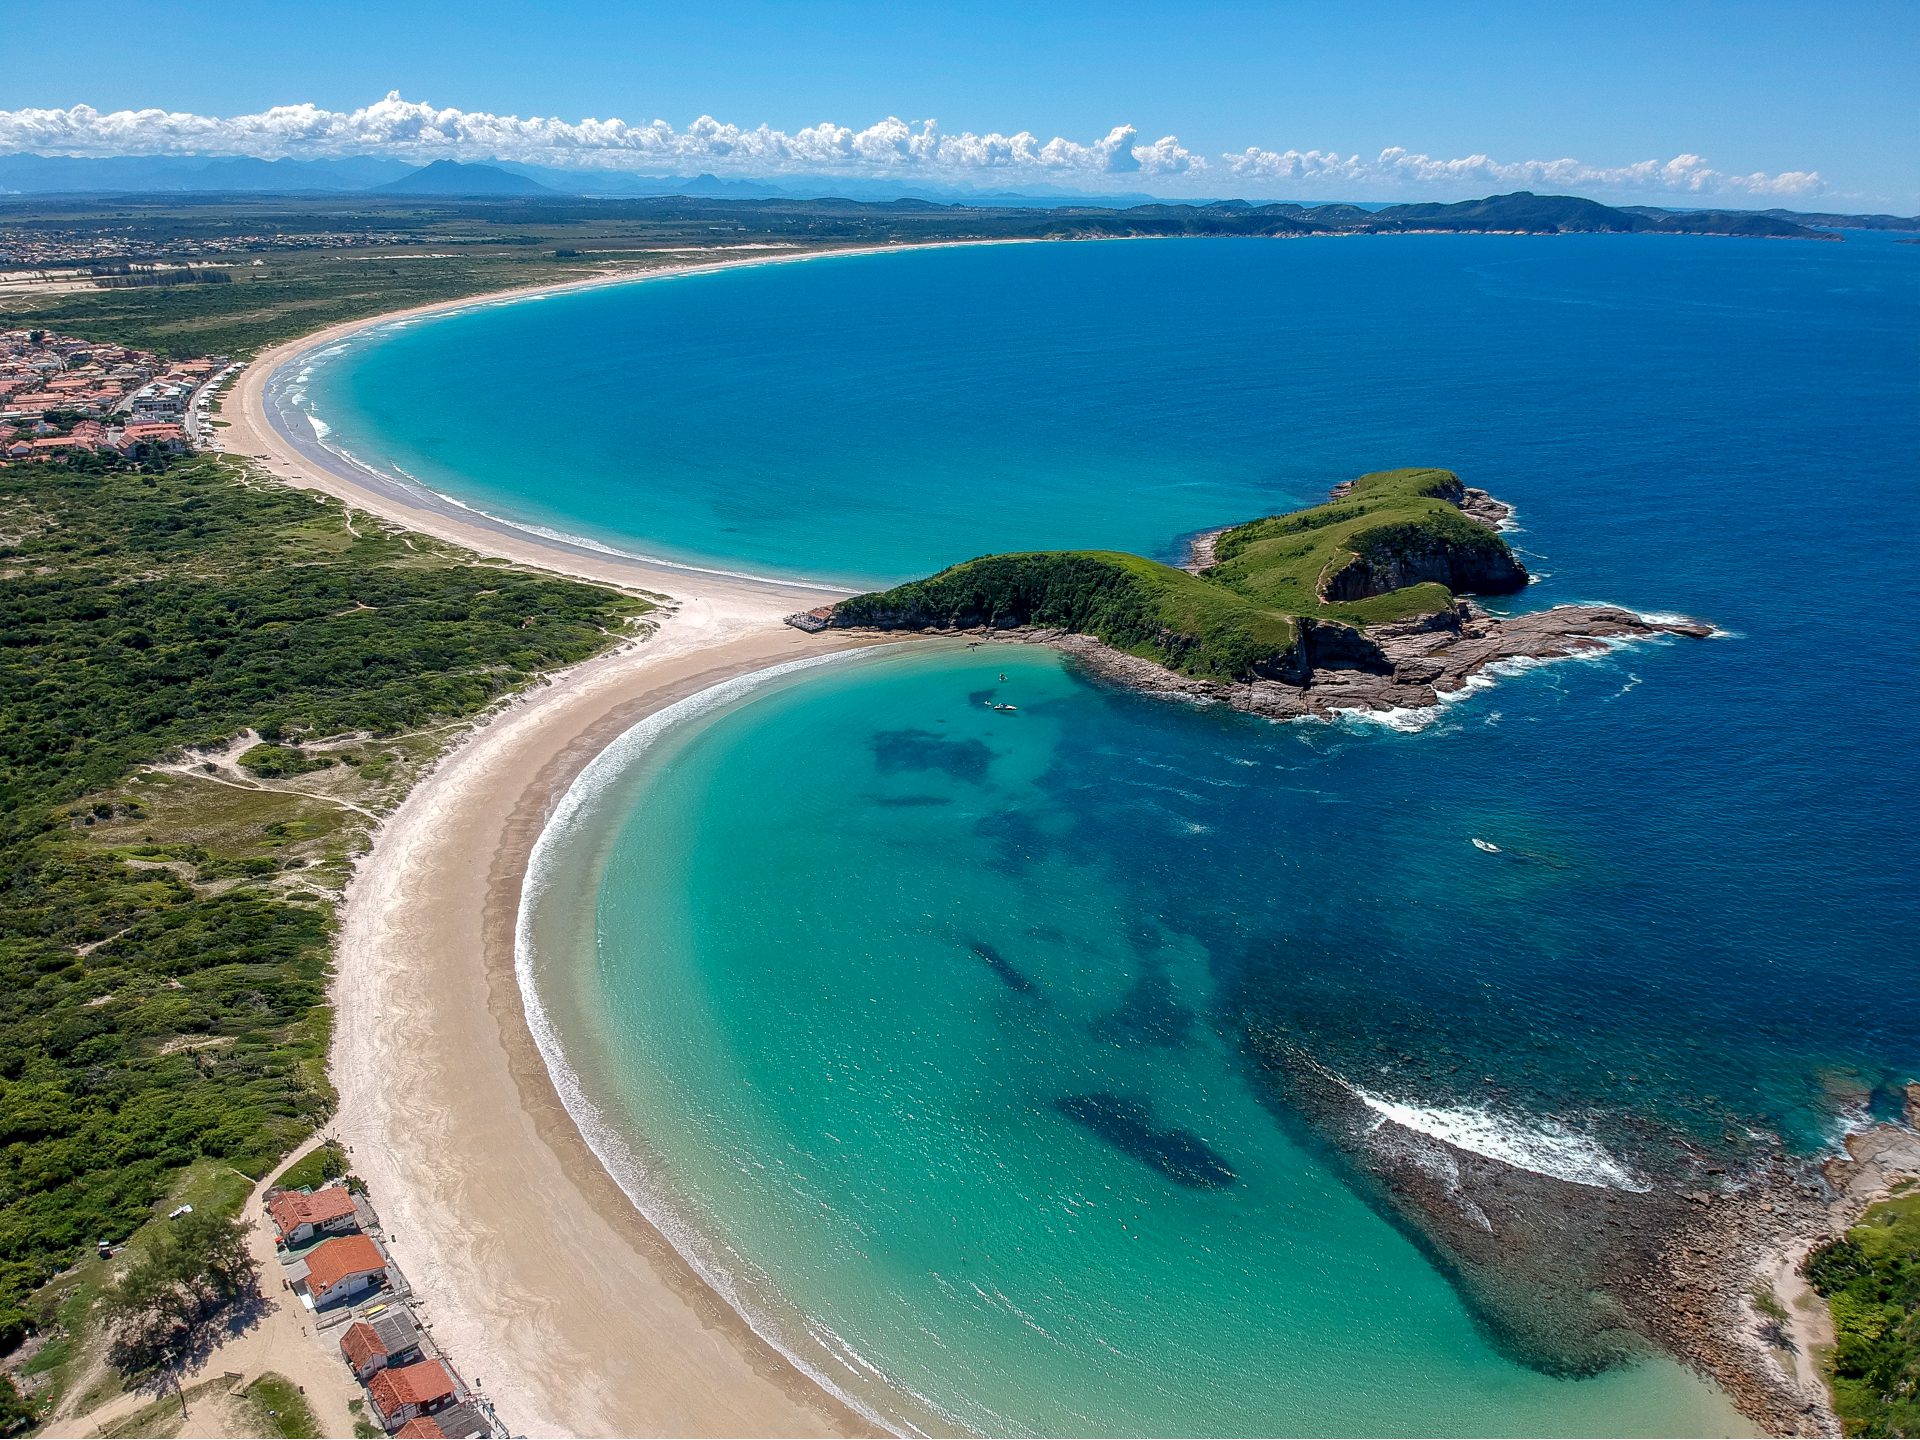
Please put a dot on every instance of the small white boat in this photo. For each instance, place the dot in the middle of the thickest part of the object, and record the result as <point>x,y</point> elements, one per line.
<point>1486,845</point>
<point>1005,709</point>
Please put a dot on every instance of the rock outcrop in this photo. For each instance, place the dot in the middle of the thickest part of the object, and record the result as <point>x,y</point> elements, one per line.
<point>1407,666</point>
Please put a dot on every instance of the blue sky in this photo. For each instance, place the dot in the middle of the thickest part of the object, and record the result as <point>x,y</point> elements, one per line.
<point>1753,90</point>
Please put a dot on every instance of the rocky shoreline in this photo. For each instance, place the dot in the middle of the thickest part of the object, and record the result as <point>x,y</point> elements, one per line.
<point>1406,666</point>
<point>1578,1275</point>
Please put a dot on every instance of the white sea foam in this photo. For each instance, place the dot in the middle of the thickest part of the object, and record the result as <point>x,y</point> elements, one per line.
<point>1668,617</point>
<point>1542,1145</point>
<point>603,1137</point>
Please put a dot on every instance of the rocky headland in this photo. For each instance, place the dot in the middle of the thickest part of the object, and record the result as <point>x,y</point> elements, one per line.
<point>1359,604</point>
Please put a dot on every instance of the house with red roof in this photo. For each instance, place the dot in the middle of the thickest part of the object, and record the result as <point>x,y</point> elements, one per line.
<point>299,1215</point>
<point>411,1391</point>
<point>341,1268</point>
<point>386,1335</point>
<point>160,435</point>
<point>365,1354</point>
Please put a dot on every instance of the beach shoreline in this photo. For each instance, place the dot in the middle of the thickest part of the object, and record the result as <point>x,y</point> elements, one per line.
<point>253,433</point>
<point>536,1266</point>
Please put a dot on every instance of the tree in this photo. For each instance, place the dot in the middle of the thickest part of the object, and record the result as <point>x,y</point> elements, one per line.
<point>17,1414</point>
<point>159,1311</point>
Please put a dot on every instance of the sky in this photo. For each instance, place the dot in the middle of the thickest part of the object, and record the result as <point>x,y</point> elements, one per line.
<point>1753,104</point>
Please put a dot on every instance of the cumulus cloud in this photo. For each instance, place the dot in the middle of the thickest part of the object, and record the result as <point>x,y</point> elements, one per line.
<point>411,130</point>
<point>1395,170</point>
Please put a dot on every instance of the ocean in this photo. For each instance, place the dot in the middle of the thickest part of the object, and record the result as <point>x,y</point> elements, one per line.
<point>934,1033</point>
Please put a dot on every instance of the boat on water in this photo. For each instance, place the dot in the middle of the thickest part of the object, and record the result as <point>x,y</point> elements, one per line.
<point>1486,845</point>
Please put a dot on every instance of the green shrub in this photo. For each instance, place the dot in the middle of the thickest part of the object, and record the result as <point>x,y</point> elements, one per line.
<point>1871,1279</point>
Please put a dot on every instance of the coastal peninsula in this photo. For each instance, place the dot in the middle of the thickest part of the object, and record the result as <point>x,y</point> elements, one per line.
<point>1356,604</point>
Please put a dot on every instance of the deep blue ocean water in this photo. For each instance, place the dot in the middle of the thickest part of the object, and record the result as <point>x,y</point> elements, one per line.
<point>842,1010</point>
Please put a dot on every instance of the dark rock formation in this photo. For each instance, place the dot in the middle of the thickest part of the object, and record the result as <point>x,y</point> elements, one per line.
<point>1127,1125</point>
<point>1403,666</point>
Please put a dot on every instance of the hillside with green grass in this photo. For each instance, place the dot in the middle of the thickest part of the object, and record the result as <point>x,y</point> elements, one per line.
<point>1282,591</point>
<point>167,884</point>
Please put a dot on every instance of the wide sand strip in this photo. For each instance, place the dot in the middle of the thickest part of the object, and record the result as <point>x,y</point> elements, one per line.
<point>547,1287</point>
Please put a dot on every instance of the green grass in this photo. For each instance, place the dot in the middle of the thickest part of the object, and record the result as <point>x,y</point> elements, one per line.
<point>1394,547</point>
<point>315,1168</point>
<point>279,1408</point>
<point>1871,1279</point>
<point>1343,560</point>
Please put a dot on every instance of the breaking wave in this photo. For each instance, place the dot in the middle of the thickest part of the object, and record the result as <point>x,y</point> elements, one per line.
<point>1543,1146</point>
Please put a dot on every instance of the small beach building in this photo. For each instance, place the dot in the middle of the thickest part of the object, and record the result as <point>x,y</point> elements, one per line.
<point>343,1267</point>
<point>462,1420</point>
<point>408,1392</point>
<point>299,1215</point>
<point>391,1337</point>
<point>364,1353</point>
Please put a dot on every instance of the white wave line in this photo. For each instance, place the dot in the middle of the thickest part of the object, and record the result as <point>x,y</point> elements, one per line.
<point>602,1136</point>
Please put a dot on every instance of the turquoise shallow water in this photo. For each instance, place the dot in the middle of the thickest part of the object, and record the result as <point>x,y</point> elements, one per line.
<point>843,1001</point>
<point>925,1026</point>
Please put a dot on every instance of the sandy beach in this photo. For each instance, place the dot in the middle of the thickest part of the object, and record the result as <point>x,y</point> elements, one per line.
<point>557,1299</point>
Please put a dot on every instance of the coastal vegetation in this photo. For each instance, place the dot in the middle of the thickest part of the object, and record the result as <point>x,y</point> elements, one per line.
<point>1871,1278</point>
<point>157,1309</point>
<point>165,912</point>
<point>1390,546</point>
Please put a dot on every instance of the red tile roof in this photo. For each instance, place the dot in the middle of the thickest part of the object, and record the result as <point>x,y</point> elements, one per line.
<point>332,1261</point>
<point>291,1209</point>
<point>422,1426</point>
<point>361,1345</point>
<point>421,1384</point>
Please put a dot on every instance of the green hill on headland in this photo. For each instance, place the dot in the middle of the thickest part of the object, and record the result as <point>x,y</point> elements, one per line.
<point>1281,594</point>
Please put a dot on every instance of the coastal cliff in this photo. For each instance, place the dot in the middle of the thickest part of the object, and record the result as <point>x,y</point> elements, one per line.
<point>1357,604</point>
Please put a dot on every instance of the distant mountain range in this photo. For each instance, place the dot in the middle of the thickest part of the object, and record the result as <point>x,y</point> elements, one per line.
<point>450,179</point>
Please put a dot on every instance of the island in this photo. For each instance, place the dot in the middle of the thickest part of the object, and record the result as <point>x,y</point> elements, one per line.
<point>1356,604</point>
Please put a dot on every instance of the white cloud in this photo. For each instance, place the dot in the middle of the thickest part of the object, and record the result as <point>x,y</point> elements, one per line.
<point>892,147</point>
<point>1396,171</point>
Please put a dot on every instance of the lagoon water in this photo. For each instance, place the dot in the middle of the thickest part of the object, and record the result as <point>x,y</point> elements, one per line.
<point>877,997</point>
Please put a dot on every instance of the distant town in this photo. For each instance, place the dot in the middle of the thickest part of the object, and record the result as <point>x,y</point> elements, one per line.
<point>62,397</point>
<point>37,245</point>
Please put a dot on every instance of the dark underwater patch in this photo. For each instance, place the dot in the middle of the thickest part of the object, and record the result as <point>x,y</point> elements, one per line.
<point>1008,973</point>
<point>1152,1014</point>
<point>907,802</point>
<point>1127,1125</point>
<point>914,749</point>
